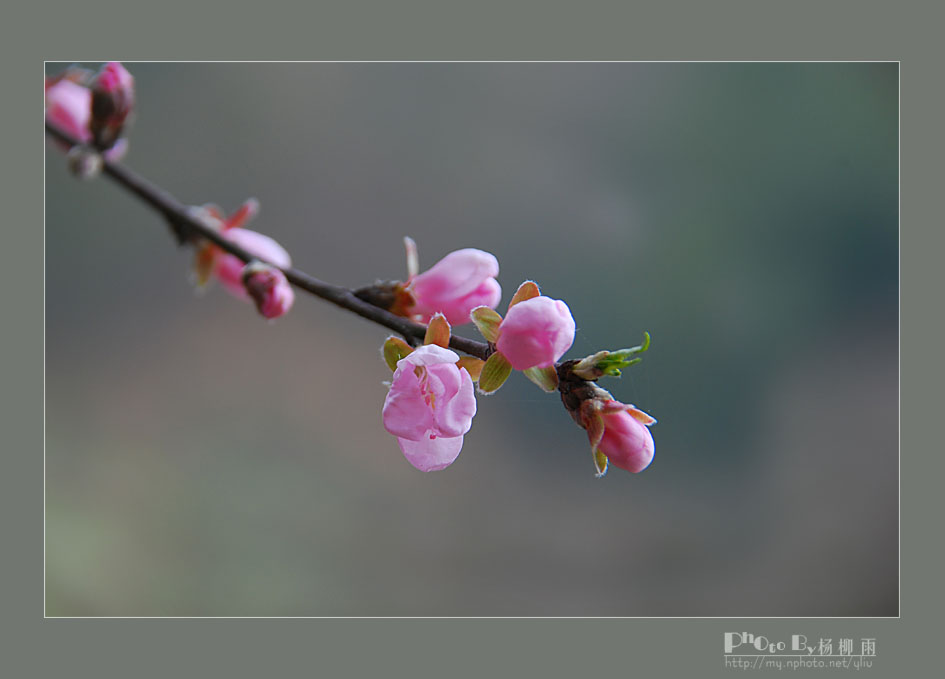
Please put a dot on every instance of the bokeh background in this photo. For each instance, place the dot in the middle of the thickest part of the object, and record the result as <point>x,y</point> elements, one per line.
<point>200,461</point>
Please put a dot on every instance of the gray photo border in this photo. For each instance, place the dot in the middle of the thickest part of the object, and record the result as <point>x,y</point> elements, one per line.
<point>867,31</point>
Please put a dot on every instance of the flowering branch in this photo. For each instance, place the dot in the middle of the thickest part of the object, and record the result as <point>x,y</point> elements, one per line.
<point>188,228</point>
<point>431,401</point>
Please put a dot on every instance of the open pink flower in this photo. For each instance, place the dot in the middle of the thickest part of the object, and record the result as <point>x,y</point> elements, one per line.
<point>268,288</point>
<point>455,285</point>
<point>535,333</point>
<point>430,407</point>
<point>626,441</point>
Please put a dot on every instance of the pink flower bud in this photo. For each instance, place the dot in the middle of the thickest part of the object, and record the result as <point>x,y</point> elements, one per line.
<point>113,98</point>
<point>268,288</point>
<point>536,333</point>
<point>69,107</point>
<point>456,285</point>
<point>114,79</point>
<point>229,268</point>
<point>627,441</point>
<point>430,407</point>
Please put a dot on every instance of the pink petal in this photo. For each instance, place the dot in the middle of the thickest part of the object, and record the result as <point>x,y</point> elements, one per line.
<point>488,294</point>
<point>406,413</point>
<point>457,274</point>
<point>430,455</point>
<point>454,414</point>
<point>430,354</point>
<point>69,107</point>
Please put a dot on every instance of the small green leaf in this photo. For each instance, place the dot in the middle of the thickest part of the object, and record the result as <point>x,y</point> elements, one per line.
<point>546,378</point>
<point>395,349</point>
<point>526,290</point>
<point>488,322</point>
<point>494,373</point>
<point>610,362</point>
<point>438,332</point>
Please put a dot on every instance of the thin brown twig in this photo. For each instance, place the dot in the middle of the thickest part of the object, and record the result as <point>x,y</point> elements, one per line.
<point>188,228</point>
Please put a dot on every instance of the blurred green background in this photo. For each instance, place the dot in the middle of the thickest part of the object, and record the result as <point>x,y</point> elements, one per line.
<point>200,461</point>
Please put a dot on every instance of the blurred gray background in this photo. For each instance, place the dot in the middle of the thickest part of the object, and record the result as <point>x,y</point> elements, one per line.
<point>200,461</point>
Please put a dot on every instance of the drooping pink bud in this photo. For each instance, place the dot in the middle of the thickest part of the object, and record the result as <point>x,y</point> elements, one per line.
<point>268,288</point>
<point>430,407</point>
<point>536,332</point>
<point>455,285</point>
<point>113,98</point>
<point>229,268</point>
<point>626,441</point>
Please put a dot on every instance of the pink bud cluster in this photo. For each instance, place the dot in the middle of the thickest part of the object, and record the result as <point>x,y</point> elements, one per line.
<point>430,403</point>
<point>93,109</point>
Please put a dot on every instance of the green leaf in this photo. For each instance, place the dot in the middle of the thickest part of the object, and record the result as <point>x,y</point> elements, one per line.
<point>438,332</point>
<point>494,373</point>
<point>488,322</point>
<point>395,349</point>
<point>526,290</point>
<point>472,365</point>
<point>546,378</point>
<point>610,362</point>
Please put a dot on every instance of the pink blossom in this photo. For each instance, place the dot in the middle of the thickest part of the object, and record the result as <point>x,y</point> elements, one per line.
<point>455,285</point>
<point>269,289</point>
<point>627,441</point>
<point>430,407</point>
<point>536,332</point>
